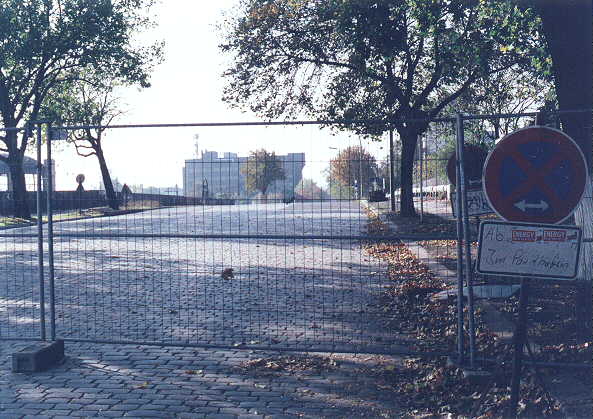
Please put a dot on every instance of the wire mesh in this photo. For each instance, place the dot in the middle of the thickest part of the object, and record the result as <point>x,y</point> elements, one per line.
<point>261,247</point>
<point>261,242</point>
<point>20,297</point>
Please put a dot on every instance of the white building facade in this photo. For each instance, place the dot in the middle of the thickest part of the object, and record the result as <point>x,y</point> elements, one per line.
<point>221,176</point>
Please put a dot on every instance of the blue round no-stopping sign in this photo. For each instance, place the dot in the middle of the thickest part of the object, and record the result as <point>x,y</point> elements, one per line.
<point>535,175</point>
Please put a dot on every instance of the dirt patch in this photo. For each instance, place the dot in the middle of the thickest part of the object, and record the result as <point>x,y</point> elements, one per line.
<point>289,364</point>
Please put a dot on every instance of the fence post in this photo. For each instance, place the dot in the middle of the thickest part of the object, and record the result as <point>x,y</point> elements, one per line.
<point>421,158</point>
<point>460,325</point>
<point>462,196</point>
<point>391,172</point>
<point>38,195</point>
<point>50,235</point>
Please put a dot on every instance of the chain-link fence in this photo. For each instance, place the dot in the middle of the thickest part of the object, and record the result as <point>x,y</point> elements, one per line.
<point>277,236</point>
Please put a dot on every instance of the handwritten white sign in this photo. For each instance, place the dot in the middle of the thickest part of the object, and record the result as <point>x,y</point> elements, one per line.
<point>477,204</point>
<point>531,250</point>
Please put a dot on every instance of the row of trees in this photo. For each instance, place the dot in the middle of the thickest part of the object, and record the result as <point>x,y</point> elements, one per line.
<point>398,62</point>
<point>60,61</point>
<point>353,167</point>
<point>386,64</point>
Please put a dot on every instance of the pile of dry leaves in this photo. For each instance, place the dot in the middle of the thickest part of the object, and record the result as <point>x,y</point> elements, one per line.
<point>290,364</point>
<point>430,387</point>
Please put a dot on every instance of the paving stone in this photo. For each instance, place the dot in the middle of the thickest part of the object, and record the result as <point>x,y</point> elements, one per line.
<point>124,407</point>
<point>147,414</point>
<point>57,412</point>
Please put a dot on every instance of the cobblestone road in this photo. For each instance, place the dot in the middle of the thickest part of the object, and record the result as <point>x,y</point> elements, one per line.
<point>289,293</point>
<point>152,382</point>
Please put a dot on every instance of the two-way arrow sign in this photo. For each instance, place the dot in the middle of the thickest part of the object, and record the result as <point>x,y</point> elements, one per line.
<point>523,205</point>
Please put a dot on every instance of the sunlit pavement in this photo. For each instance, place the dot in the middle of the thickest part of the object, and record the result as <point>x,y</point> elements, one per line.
<point>283,293</point>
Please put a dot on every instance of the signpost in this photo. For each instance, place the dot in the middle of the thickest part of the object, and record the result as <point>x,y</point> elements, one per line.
<point>534,178</point>
<point>79,191</point>
<point>535,175</point>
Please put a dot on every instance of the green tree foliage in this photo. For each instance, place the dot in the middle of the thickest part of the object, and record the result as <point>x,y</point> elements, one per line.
<point>397,60</point>
<point>45,43</point>
<point>352,169</point>
<point>339,191</point>
<point>261,170</point>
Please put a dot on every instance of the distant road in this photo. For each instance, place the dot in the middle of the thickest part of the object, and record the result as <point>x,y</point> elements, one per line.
<point>288,293</point>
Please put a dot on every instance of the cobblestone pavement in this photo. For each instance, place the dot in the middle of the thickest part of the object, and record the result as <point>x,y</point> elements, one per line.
<point>290,293</point>
<point>156,382</point>
<point>284,293</point>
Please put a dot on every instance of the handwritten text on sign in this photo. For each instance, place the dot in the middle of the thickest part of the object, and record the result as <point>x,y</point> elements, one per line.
<point>540,251</point>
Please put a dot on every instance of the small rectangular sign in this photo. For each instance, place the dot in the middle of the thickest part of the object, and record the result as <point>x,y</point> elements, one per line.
<point>477,204</point>
<point>530,250</point>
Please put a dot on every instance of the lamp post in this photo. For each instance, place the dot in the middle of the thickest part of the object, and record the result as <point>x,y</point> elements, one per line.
<point>360,154</point>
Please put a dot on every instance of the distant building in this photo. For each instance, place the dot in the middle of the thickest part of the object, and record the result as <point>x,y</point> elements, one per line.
<point>224,179</point>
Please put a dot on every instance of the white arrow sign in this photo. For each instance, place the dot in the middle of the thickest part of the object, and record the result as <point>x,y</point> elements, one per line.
<point>523,206</point>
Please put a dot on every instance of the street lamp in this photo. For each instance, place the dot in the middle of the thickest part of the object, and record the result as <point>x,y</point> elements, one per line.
<point>360,168</point>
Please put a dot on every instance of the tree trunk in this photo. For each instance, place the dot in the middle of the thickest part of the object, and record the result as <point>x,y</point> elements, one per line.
<point>409,141</point>
<point>568,29</point>
<point>17,176</point>
<point>109,191</point>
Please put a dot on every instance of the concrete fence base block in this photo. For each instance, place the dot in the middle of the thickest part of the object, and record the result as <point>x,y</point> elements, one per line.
<point>38,357</point>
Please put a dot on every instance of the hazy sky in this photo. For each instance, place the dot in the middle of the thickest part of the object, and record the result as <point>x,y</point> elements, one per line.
<point>187,87</point>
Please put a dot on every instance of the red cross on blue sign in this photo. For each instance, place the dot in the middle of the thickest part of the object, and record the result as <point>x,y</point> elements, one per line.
<point>535,175</point>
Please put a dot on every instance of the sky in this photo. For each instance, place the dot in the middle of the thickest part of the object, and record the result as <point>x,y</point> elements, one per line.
<point>187,88</point>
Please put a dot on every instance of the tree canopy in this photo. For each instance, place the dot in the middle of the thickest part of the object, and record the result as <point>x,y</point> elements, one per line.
<point>49,42</point>
<point>400,61</point>
<point>352,168</point>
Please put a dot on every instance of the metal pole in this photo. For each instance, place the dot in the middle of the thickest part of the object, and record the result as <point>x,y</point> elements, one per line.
<point>50,236</point>
<point>462,196</point>
<point>421,181</point>
<point>460,328</point>
<point>391,172</point>
<point>518,342</point>
<point>360,169</point>
<point>40,235</point>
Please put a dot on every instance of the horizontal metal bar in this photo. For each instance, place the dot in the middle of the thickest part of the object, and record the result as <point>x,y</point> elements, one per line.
<point>362,237</point>
<point>5,129</point>
<point>525,114</point>
<point>334,350</point>
<point>251,123</point>
<point>9,339</point>
<point>371,238</point>
<point>266,310</point>
<point>317,122</point>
